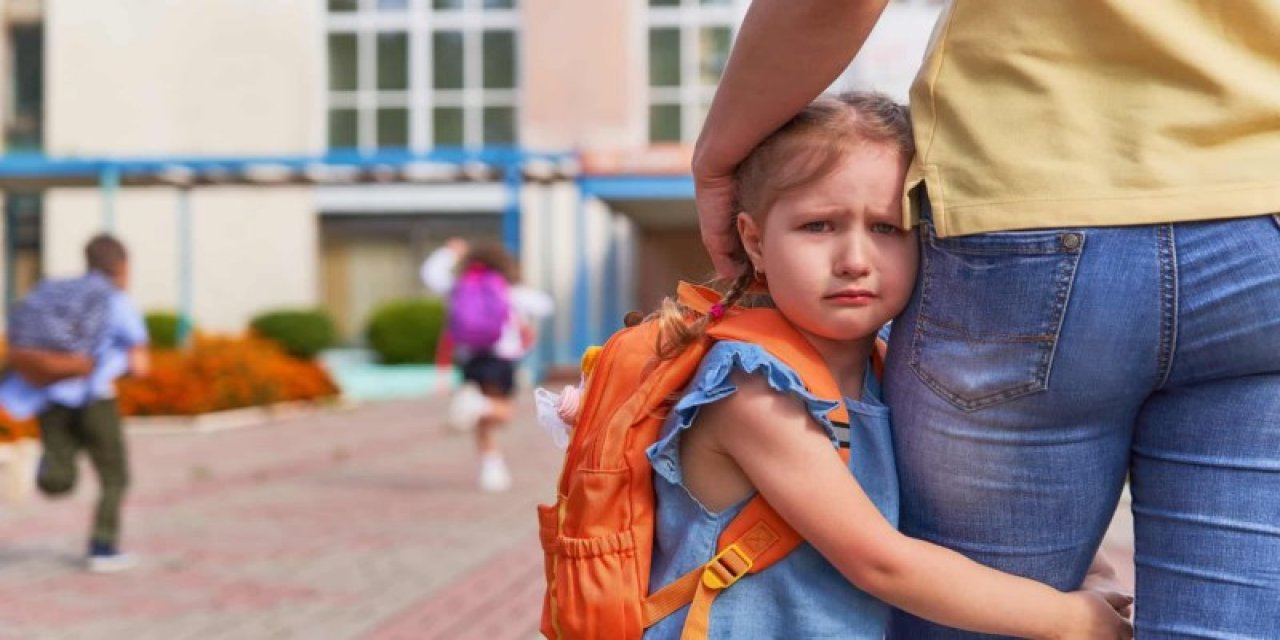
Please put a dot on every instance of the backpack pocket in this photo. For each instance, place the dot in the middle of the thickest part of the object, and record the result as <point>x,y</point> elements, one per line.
<point>595,584</point>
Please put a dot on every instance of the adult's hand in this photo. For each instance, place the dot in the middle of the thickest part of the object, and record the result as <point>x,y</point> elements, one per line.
<point>716,218</point>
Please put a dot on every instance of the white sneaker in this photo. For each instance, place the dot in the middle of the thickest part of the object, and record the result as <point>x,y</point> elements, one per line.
<point>466,407</point>
<point>494,477</point>
<point>112,562</point>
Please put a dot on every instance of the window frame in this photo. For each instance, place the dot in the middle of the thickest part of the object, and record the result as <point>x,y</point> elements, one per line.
<point>420,22</point>
<point>689,17</point>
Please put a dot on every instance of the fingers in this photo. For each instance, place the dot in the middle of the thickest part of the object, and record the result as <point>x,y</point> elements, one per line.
<point>1117,600</point>
<point>715,217</point>
<point>720,247</point>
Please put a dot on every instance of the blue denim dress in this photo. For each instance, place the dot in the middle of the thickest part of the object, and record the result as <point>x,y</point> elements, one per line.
<point>803,596</point>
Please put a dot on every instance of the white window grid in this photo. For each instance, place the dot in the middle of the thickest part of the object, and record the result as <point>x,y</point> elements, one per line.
<point>419,22</point>
<point>692,95</point>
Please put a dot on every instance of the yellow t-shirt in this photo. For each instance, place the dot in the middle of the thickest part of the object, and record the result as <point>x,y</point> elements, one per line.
<point>1051,113</point>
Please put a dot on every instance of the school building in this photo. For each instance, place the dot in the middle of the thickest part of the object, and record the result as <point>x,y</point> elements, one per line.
<point>257,154</point>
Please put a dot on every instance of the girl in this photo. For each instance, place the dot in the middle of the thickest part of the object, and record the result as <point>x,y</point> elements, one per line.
<point>488,370</point>
<point>820,231</point>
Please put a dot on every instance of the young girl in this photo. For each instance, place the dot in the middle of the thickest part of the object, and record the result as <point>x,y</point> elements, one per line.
<point>490,369</point>
<point>821,232</point>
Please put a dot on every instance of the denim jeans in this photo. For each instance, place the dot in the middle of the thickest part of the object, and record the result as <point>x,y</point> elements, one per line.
<point>1033,370</point>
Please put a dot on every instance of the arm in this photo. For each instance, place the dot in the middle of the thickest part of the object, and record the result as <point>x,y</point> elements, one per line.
<point>139,362</point>
<point>437,270</point>
<point>788,458</point>
<point>43,368</point>
<point>129,332</point>
<point>787,52</point>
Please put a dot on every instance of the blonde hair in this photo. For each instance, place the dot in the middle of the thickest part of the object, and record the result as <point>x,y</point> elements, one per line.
<point>802,151</point>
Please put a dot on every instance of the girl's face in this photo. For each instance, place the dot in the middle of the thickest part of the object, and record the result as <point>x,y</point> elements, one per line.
<point>834,255</point>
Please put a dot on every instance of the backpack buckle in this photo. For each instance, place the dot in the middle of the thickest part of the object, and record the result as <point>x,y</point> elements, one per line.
<point>726,568</point>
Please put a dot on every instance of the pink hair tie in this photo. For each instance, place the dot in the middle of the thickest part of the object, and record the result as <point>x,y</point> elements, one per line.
<point>717,311</point>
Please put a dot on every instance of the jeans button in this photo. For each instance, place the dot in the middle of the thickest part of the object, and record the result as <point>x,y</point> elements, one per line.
<point>1071,240</point>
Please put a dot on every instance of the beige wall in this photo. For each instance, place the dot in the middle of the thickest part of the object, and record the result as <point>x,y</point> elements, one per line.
<point>168,76</point>
<point>172,77</point>
<point>254,249</point>
<point>583,81</point>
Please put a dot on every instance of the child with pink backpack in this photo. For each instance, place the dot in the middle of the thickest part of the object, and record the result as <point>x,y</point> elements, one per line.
<point>491,318</point>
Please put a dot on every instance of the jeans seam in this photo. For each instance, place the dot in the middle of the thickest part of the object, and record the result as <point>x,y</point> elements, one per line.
<point>1168,256</point>
<point>1067,283</point>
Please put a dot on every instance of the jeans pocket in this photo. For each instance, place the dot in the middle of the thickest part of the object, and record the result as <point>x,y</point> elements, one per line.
<point>991,309</point>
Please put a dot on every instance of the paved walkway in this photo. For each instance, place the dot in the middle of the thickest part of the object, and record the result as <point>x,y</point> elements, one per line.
<point>360,524</point>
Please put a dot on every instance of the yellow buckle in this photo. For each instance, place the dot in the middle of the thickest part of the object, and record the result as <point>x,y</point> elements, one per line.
<point>725,569</point>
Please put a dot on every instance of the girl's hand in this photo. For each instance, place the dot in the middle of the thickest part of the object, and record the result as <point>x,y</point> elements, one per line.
<point>1102,579</point>
<point>1096,616</point>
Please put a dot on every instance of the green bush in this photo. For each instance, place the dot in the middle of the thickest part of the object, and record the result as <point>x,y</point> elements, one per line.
<point>301,332</point>
<point>164,327</point>
<point>406,331</point>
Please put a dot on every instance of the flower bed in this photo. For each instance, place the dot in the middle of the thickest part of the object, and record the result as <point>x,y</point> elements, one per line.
<point>219,373</point>
<point>12,430</point>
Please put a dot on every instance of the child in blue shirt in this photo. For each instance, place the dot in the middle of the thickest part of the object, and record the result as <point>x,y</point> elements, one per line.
<point>80,413</point>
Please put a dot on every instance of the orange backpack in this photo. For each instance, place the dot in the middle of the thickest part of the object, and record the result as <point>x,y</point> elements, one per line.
<point>598,536</point>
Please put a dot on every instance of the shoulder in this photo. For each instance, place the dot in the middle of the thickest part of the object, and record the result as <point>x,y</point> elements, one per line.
<point>122,306</point>
<point>743,386</point>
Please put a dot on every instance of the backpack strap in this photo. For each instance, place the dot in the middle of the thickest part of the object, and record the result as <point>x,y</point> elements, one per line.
<point>757,538</point>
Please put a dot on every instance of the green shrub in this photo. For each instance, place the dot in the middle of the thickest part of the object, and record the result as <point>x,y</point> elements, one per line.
<point>406,331</point>
<point>301,332</point>
<point>164,329</point>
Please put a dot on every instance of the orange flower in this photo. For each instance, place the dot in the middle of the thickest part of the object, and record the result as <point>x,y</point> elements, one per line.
<point>219,372</point>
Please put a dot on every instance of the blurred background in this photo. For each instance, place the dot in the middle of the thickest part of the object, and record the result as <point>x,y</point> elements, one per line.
<point>308,154</point>
<point>279,170</point>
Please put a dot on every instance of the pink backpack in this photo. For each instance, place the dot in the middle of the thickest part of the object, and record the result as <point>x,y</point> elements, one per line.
<point>479,308</point>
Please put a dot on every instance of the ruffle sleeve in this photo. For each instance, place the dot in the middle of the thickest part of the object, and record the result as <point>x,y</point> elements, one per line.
<point>713,381</point>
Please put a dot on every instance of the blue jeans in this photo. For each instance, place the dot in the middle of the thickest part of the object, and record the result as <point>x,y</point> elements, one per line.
<point>1032,370</point>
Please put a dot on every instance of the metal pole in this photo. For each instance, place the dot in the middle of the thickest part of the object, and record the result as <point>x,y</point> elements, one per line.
<point>511,214</point>
<point>185,257</point>
<point>110,184</point>
<point>582,325</point>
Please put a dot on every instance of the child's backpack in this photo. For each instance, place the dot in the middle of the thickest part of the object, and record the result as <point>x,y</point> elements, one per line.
<point>62,315</point>
<point>598,536</point>
<point>479,307</point>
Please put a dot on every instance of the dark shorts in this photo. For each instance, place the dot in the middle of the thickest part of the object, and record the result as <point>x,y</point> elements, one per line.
<point>495,376</point>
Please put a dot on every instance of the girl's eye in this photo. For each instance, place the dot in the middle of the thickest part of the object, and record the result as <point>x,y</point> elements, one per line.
<point>818,226</point>
<point>884,227</point>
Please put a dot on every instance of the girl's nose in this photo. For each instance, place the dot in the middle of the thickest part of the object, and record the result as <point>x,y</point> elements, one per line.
<point>852,258</point>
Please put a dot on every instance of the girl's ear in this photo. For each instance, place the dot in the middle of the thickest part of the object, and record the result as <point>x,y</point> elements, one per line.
<point>749,232</point>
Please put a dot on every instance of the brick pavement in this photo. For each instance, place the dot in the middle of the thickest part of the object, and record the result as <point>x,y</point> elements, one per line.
<point>355,524</point>
<point>360,524</point>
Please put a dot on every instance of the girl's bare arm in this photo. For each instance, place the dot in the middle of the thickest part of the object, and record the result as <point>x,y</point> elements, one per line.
<point>790,461</point>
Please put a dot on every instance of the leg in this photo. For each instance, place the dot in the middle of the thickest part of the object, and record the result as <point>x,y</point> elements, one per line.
<point>106,446</point>
<point>495,420</point>
<point>1205,503</point>
<point>496,378</point>
<point>1206,467</point>
<point>59,437</point>
<point>1014,396</point>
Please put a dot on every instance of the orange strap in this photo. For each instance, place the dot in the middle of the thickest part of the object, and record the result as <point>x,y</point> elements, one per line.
<point>761,545</point>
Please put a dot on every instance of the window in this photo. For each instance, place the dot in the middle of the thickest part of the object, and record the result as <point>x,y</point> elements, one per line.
<point>422,73</point>
<point>688,46</point>
<point>24,117</point>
